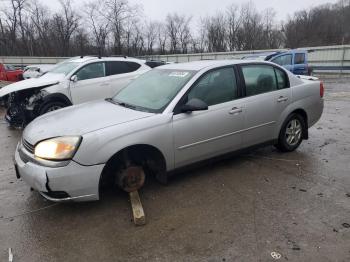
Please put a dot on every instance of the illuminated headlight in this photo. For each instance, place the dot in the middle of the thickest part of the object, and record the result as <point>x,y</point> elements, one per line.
<point>58,148</point>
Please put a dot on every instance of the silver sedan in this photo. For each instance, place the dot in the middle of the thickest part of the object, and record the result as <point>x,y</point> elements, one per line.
<point>169,118</point>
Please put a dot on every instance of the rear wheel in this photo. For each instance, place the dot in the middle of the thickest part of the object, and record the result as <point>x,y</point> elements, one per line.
<point>292,133</point>
<point>51,106</point>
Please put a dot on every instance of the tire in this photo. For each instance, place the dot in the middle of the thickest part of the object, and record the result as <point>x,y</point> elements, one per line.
<point>310,71</point>
<point>51,106</point>
<point>292,133</point>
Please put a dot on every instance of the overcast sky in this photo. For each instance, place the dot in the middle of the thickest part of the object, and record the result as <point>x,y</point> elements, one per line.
<point>158,9</point>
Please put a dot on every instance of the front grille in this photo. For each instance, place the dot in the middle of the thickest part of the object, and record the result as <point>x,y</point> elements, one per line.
<point>29,147</point>
<point>15,116</point>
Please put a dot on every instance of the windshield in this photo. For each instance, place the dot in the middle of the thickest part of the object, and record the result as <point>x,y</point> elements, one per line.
<point>260,58</point>
<point>154,90</point>
<point>65,67</point>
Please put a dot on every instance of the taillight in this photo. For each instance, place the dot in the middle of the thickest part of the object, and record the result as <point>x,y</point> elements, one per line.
<point>321,89</point>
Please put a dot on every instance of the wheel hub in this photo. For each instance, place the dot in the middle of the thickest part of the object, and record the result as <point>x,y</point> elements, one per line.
<point>131,179</point>
<point>293,132</point>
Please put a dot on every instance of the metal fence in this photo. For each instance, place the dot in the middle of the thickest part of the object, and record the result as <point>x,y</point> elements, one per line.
<point>324,60</point>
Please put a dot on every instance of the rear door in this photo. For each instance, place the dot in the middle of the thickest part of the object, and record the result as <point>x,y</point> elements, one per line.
<point>267,94</point>
<point>91,85</point>
<point>120,73</point>
<point>204,134</point>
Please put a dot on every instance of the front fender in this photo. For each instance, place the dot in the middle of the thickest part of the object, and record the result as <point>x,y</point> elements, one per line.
<point>99,146</point>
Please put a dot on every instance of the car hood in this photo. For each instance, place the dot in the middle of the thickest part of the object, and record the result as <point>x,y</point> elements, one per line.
<point>79,120</point>
<point>46,80</point>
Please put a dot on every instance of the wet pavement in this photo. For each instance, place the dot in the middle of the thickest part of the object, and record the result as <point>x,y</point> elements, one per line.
<point>242,209</point>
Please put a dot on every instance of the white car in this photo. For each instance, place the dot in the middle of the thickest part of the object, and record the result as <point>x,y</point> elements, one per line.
<point>34,71</point>
<point>71,82</point>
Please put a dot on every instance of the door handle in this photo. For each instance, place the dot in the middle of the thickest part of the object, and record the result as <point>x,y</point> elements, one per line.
<point>282,99</point>
<point>235,110</point>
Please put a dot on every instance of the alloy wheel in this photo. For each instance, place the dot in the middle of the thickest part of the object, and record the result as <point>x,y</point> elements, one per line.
<point>293,132</point>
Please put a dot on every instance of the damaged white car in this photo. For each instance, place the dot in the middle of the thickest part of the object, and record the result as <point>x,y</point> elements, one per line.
<point>74,81</point>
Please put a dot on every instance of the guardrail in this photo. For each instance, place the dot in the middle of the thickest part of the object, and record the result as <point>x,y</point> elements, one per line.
<point>324,60</point>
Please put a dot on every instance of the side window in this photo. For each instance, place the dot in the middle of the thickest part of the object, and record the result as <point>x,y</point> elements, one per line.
<point>283,60</point>
<point>216,87</point>
<point>9,68</point>
<point>90,71</point>
<point>282,79</point>
<point>133,66</point>
<point>259,79</point>
<point>299,59</point>
<point>120,67</point>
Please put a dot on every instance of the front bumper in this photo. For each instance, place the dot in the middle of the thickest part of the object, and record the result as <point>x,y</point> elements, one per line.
<point>77,182</point>
<point>18,116</point>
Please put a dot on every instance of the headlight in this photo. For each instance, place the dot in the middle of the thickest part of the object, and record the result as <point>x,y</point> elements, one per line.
<point>58,148</point>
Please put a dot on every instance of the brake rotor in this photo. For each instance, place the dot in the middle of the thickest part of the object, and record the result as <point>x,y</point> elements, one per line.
<point>131,179</point>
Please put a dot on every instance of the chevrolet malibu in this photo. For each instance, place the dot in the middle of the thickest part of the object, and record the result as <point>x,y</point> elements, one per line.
<point>171,117</point>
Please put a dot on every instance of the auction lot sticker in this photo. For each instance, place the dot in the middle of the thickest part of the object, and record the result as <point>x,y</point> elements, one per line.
<point>178,74</point>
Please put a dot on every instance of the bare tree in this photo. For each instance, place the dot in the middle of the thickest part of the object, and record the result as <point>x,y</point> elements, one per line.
<point>150,35</point>
<point>185,35</point>
<point>178,32</point>
<point>118,12</point>
<point>99,25</point>
<point>162,36</point>
<point>28,27</point>
<point>64,25</point>
<point>173,31</point>
<point>216,33</point>
<point>233,25</point>
<point>40,20</point>
<point>250,32</point>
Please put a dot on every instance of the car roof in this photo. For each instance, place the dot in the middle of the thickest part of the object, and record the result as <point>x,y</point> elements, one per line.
<point>199,65</point>
<point>95,58</point>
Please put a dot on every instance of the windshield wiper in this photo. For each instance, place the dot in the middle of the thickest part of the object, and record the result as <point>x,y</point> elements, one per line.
<point>123,104</point>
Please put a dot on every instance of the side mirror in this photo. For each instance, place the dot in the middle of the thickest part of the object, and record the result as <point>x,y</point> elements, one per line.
<point>74,78</point>
<point>194,104</point>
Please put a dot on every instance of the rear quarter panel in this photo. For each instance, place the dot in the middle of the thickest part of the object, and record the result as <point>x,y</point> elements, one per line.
<point>305,96</point>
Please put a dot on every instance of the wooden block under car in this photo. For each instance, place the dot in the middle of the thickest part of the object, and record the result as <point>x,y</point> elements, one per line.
<point>137,209</point>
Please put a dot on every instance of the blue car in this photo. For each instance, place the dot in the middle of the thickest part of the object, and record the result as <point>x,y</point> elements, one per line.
<point>295,60</point>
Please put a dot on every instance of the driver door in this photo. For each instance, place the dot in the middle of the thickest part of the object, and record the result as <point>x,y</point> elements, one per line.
<point>203,134</point>
<point>91,83</point>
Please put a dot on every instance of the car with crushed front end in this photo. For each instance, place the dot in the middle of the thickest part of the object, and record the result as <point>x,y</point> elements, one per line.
<point>71,82</point>
<point>168,118</point>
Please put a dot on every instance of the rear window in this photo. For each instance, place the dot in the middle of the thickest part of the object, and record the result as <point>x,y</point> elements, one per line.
<point>10,68</point>
<point>120,67</point>
<point>282,79</point>
<point>299,59</point>
<point>259,79</point>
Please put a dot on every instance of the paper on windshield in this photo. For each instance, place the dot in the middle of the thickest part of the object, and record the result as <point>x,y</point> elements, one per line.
<point>178,74</point>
